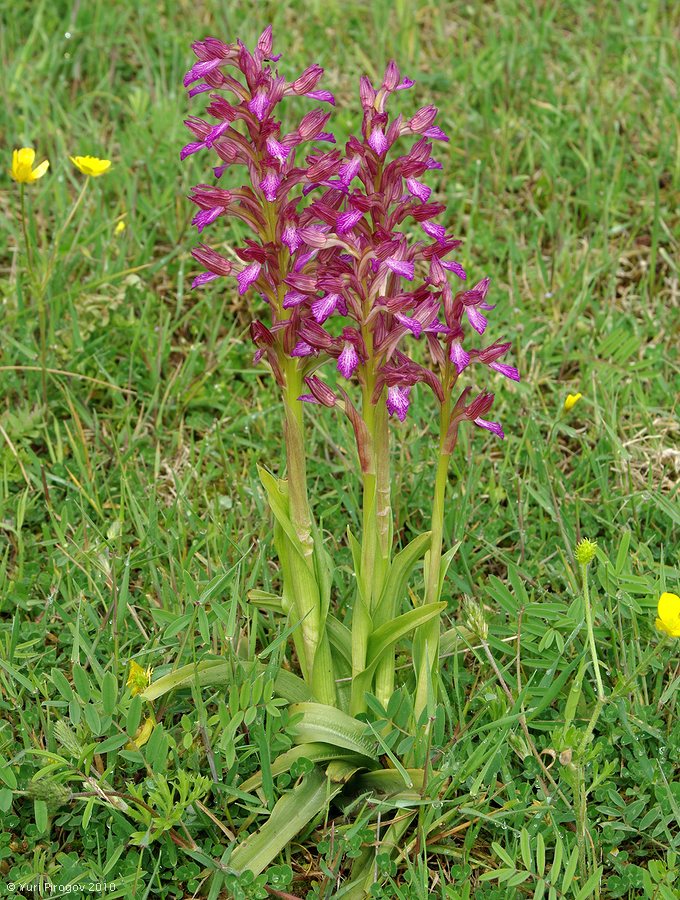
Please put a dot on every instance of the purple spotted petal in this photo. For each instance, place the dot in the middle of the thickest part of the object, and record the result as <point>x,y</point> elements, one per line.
<point>248,276</point>
<point>434,164</point>
<point>258,105</point>
<point>433,230</point>
<point>476,319</point>
<point>405,84</point>
<point>218,171</point>
<point>203,278</point>
<point>323,307</point>
<point>436,134</point>
<point>302,348</point>
<point>277,150</point>
<point>508,371</point>
<point>205,216</point>
<point>491,426</point>
<point>456,268</point>
<point>327,136</point>
<point>377,141</point>
<point>198,89</point>
<point>348,170</point>
<point>418,189</point>
<point>291,238</point>
<point>193,147</point>
<point>323,96</point>
<point>458,356</point>
<point>309,398</point>
<point>348,360</point>
<point>270,184</point>
<point>412,324</point>
<point>398,401</point>
<point>347,220</point>
<point>400,267</point>
<point>216,132</point>
<point>293,298</point>
<point>199,70</point>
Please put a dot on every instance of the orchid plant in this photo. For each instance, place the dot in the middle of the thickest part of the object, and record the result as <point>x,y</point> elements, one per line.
<point>356,301</point>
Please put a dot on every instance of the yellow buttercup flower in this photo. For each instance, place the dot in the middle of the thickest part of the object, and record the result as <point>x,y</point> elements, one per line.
<point>22,166</point>
<point>669,614</point>
<point>120,227</point>
<point>571,401</point>
<point>90,165</point>
<point>142,735</point>
<point>138,679</point>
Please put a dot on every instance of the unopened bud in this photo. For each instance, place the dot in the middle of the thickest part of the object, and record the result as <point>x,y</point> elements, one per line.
<point>585,552</point>
<point>475,619</point>
<point>391,79</point>
<point>308,80</point>
<point>422,120</point>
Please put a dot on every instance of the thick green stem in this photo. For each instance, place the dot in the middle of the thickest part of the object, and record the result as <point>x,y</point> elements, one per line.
<point>426,643</point>
<point>305,588</point>
<point>384,676</point>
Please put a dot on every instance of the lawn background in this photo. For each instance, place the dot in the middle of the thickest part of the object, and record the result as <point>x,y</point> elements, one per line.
<point>125,496</point>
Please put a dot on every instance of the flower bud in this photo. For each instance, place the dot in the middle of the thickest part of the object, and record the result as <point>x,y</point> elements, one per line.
<point>367,93</point>
<point>320,391</point>
<point>422,119</point>
<point>391,78</point>
<point>308,80</point>
<point>585,552</point>
<point>312,124</point>
<point>475,619</point>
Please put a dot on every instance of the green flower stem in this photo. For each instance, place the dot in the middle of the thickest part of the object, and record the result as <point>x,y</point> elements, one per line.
<point>318,664</point>
<point>384,676</point>
<point>426,645</point>
<point>591,636</point>
<point>24,228</point>
<point>39,292</point>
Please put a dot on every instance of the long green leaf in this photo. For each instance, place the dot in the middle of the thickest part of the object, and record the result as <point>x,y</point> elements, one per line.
<point>316,753</point>
<point>389,633</point>
<point>292,812</point>
<point>386,636</point>
<point>218,671</point>
<point>341,639</point>
<point>400,571</point>
<point>278,503</point>
<point>331,726</point>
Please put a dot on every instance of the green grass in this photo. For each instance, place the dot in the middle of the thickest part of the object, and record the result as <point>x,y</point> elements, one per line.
<point>135,487</point>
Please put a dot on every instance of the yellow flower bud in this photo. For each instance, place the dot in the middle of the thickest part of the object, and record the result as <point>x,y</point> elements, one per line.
<point>571,401</point>
<point>120,227</point>
<point>142,734</point>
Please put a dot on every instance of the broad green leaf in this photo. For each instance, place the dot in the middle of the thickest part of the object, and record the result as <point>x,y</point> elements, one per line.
<point>331,726</point>
<point>219,671</point>
<point>386,636</point>
<point>388,781</point>
<point>316,753</point>
<point>399,573</point>
<point>278,503</point>
<point>292,812</point>
<point>389,633</point>
<point>340,637</point>
<point>266,600</point>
